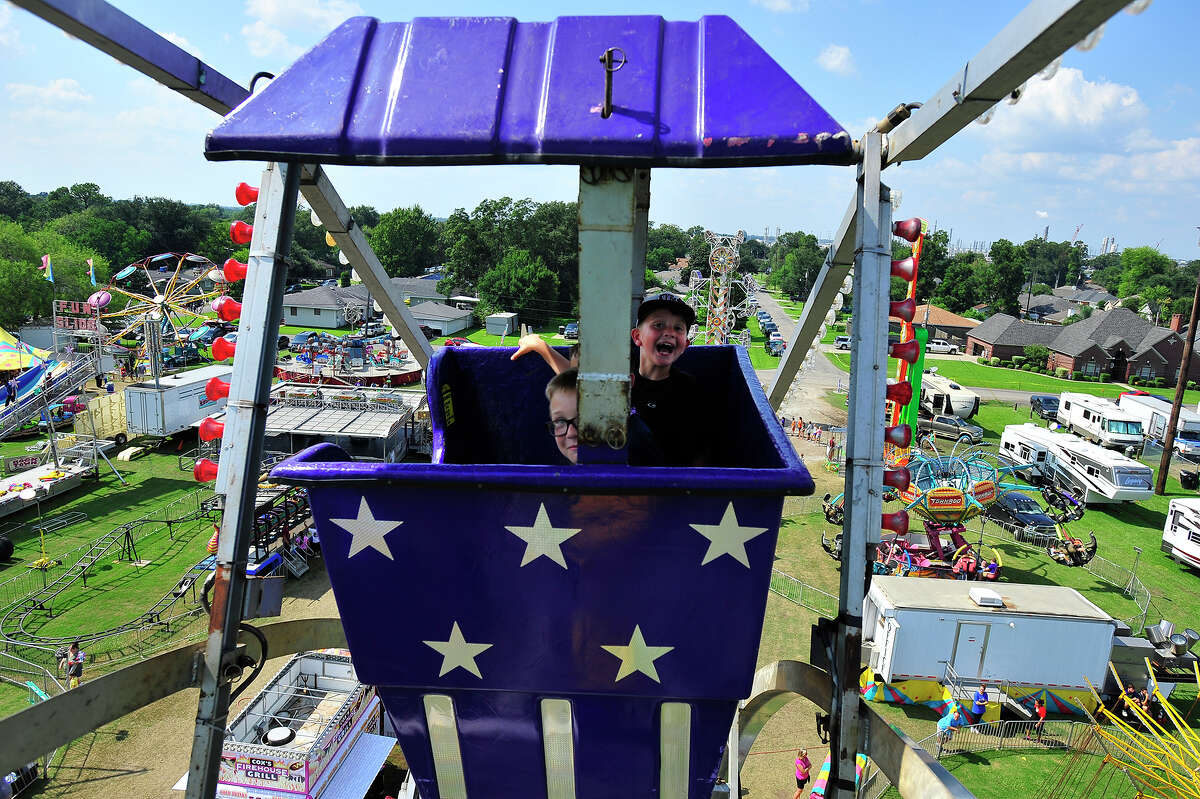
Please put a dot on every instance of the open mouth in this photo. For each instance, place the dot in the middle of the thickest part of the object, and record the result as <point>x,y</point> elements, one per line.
<point>664,347</point>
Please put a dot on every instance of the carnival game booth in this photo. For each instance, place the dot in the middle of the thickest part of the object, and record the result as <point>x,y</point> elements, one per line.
<point>528,621</point>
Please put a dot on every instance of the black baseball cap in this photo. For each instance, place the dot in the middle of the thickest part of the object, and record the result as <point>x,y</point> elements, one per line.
<point>669,301</point>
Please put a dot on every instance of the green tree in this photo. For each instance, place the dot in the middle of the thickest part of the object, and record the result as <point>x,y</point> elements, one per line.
<point>1106,270</point>
<point>960,288</point>
<point>659,258</point>
<point>1037,354</point>
<point>1003,278</point>
<point>473,243</point>
<point>15,202</point>
<point>668,237</point>
<point>935,259</point>
<point>406,241</point>
<point>1157,297</point>
<point>1138,266</point>
<point>365,216</point>
<point>522,284</point>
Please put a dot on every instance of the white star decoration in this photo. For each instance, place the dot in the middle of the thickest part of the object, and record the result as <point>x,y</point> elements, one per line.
<point>637,656</point>
<point>367,531</point>
<point>542,538</point>
<point>457,653</point>
<point>727,538</point>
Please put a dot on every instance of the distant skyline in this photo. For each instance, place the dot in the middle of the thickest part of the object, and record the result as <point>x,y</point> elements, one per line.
<point>1111,142</point>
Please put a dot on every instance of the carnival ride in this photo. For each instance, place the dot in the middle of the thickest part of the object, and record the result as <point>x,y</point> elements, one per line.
<point>948,490</point>
<point>751,114</point>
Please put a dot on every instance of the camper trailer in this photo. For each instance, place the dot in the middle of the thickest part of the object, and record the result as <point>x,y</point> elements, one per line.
<point>1155,414</point>
<point>940,395</point>
<point>1181,531</point>
<point>1099,420</point>
<point>1095,475</point>
<point>915,629</point>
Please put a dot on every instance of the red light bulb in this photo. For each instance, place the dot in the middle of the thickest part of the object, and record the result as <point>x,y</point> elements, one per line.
<point>245,193</point>
<point>234,269</point>
<point>904,269</point>
<point>205,471</point>
<point>892,478</point>
<point>903,309</point>
<point>240,232</point>
<point>211,429</point>
<point>229,309</point>
<point>896,522</point>
<point>903,350</point>
<point>216,388</point>
<point>900,435</point>
<point>909,229</point>
<point>899,393</point>
<point>223,348</point>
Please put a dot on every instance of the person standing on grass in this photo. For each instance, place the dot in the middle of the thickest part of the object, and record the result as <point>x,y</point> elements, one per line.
<point>1039,709</point>
<point>74,664</point>
<point>803,770</point>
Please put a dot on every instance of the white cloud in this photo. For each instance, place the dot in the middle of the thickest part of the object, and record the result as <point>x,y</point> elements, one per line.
<point>8,32</point>
<point>59,90</point>
<point>273,20</point>
<point>782,6</point>
<point>836,58</point>
<point>181,43</point>
<point>1042,214</point>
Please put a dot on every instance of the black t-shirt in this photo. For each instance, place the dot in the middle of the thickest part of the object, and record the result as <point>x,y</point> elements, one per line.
<point>670,408</point>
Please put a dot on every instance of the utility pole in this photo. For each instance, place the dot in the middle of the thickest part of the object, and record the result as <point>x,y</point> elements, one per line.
<point>1164,465</point>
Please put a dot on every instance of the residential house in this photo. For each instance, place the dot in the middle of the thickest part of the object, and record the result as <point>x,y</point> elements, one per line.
<point>941,323</point>
<point>324,306</point>
<point>442,318</point>
<point>1118,342</point>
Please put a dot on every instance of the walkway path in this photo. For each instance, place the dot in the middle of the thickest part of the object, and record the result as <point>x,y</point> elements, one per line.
<point>807,396</point>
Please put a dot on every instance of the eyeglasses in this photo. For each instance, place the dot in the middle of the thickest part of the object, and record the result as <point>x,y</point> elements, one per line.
<point>559,427</point>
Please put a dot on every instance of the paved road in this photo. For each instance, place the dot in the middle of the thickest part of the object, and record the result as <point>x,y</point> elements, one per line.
<point>806,397</point>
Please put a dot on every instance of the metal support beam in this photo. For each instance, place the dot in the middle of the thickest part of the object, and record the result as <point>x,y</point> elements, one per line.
<point>246,417</point>
<point>323,198</point>
<point>44,727</point>
<point>612,220</point>
<point>820,297</point>
<point>864,456</point>
<point>1042,32</point>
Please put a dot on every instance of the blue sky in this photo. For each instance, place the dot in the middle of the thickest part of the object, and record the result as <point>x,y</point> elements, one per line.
<point>1111,143</point>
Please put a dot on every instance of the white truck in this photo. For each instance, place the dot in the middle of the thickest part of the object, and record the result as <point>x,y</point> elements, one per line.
<point>1155,413</point>
<point>175,404</point>
<point>1099,420</point>
<point>1181,531</point>
<point>941,346</point>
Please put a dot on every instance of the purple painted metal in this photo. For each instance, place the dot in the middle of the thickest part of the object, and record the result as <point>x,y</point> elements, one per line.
<point>634,543</point>
<point>493,90</point>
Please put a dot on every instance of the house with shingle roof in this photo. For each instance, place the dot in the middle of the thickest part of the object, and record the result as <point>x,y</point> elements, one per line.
<point>1117,342</point>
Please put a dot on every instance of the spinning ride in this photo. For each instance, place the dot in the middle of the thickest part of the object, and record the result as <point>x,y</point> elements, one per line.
<point>170,289</point>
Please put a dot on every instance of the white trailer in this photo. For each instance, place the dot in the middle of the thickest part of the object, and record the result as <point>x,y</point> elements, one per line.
<point>942,395</point>
<point>1092,473</point>
<point>1155,414</point>
<point>174,405</point>
<point>1034,635</point>
<point>1099,420</point>
<point>1181,531</point>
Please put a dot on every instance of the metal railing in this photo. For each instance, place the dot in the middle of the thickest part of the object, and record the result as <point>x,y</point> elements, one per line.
<point>995,736</point>
<point>997,692</point>
<point>816,600</point>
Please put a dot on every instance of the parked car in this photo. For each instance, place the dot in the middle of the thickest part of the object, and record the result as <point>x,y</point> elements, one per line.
<point>775,336</point>
<point>1017,512</point>
<point>329,284</point>
<point>841,343</point>
<point>940,345</point>
<point>944,426</point>
<point>1045,406</point>
<point>768,326</point>
<point>571,330</point>
<point>372,329</point>
<point>428,332</point>
<point>458,342</point>
<point>311,338</point>
<point>292,289</point>
<point>776,347</point>
<point>1187,443</point>
<point>282,343</point>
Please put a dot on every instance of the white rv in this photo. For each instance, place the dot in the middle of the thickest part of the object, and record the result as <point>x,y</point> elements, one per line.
<point>1181,532</point>
<point>1093,474</point>
<point>1154,415</point>
<point>942,395</point>
<point>1099,420</point>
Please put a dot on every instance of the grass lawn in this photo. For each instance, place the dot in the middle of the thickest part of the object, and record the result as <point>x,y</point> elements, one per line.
<point>480,335</point>
<point>1005,774</point>
<point>976,374</point>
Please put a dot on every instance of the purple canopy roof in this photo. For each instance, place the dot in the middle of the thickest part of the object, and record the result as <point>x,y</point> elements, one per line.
<point>483,90</point>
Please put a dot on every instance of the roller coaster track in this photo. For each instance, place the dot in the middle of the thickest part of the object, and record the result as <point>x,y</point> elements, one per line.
<point>40,602</point>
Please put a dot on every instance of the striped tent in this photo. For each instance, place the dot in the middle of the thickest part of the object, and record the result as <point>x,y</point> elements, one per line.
<point>16,354</point>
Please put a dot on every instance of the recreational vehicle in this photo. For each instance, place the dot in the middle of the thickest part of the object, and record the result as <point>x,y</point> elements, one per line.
<point>1155,413</point>
<point>942,395</point>
<point>1091,473</point>
<point>1099,420</point>
<point>1181,532</point>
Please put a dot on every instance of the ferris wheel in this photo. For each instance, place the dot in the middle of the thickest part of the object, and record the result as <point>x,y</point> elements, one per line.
<point>170,289</point>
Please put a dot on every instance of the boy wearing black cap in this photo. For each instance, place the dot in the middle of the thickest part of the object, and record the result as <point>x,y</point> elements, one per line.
<point>663,396</point>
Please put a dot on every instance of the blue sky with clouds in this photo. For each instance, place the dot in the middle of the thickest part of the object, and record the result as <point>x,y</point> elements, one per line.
<point>1111,142</point>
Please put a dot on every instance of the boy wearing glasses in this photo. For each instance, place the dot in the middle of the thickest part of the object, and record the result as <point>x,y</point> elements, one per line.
<point>563,393</point>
